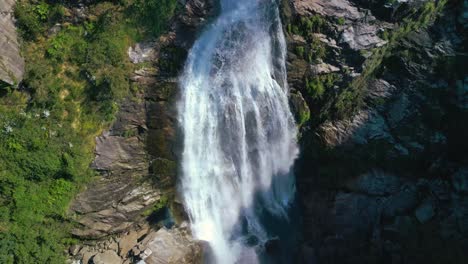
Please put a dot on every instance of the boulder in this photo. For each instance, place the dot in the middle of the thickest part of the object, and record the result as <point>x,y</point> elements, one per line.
<point>170,246</point>
<point>107,257</point>
<point>127,242</point>
<point>362,36</point>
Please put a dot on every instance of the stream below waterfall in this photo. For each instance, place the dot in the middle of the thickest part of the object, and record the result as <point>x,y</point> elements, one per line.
<point>240,137</point>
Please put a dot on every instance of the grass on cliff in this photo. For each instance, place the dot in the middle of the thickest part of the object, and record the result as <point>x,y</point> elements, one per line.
<point>76,74</point>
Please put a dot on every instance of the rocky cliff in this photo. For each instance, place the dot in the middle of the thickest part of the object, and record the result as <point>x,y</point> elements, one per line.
<point>131,212</point>
<point>11,63</point>
<point>383,165</point>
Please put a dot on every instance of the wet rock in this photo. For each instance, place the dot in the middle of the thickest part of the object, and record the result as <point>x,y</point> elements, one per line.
<point>11,63</point>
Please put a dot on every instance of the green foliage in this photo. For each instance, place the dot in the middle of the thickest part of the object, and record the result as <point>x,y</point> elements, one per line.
<point>75,79</point>
<point>300,51</point>
<point>319,84</point>
<point>351,98</point>
<point>316,50</point>
<point>154,15</point>
<point>341,20</point>
<point>34,17</point>
<point>314,23</point>
<point>160,204</point>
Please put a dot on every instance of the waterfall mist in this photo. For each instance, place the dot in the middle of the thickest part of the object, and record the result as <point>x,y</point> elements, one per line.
<point>239,133</point>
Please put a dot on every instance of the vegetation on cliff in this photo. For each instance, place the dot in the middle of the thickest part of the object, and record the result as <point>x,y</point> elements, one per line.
<point>77,70</point>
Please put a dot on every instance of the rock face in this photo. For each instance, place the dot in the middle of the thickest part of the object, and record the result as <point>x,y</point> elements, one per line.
<point>163,246</point>
<point>11,63</point>
<point>122,211</point>
<point>382,173</point>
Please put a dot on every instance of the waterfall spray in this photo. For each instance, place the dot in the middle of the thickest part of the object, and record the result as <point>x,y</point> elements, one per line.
<point>239,133</point>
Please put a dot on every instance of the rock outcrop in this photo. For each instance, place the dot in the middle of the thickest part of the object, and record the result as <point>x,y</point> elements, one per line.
<point>11,63</point>
<point>143,243</point>
<point>130,212</point>
<point>382,173</point>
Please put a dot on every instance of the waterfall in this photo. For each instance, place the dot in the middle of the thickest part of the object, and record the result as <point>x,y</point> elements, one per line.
<point>239,133</point>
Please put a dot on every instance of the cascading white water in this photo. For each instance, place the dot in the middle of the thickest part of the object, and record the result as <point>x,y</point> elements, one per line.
<point>239,134</point>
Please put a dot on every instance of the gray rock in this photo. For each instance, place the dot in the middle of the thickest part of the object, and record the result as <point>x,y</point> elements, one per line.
<point>331,8</point>
<point>142,52</point>
<point>323,68</point>
<point>380,89</point>
<point>363,127</point>
<point>362,36</point>
<point>11,63</point>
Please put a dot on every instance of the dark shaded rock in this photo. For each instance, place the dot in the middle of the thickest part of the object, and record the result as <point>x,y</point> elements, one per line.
<point>376,183</point>
<point>299,107</point>
<point>402,202</point>
<point>425,212</point>
<point>460,180</point>
<point>355,215</point>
